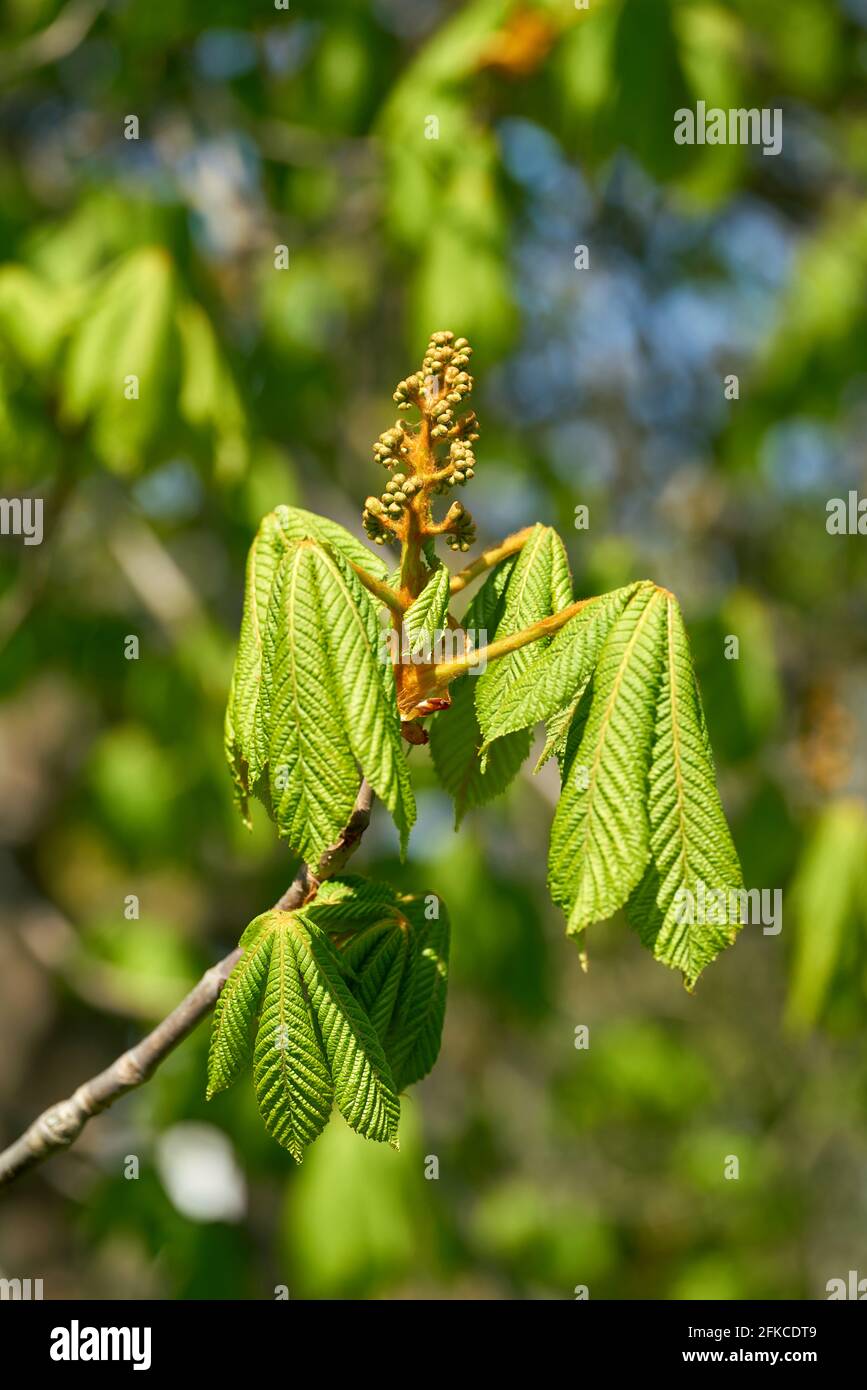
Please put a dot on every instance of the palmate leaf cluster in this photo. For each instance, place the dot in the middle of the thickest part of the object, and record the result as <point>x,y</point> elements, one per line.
<point>639,824</point>
<point>312,704</point>
<point>339,1003</point>
<point>342,1002</point>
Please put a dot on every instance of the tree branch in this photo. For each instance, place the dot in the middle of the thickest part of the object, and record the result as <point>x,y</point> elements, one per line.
<point>60,1125</point>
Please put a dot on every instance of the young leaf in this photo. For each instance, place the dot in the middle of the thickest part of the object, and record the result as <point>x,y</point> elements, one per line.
<point>298,525</point>
<point>376,959</point>
<point>427,615</point>
<point>566,729</point>
<point>290,1073</point>
<point>556,676</point>
<point>238,1006</point>
<point>246,742</point>
<point>455,740</point>
<point>485,609</point>
<point>539,584</point>
<point>348,902</point>
<point>363,1087</point>
<point>312,772</point>
<point>365,683</point>
<point>327,702</point>
<point>414,1037</point>
<point>246,738</point>
<point>399,970</point>
<point>690,843</point>
<point>557,731</point>
<point>314,1044</point>
<point>600,835</point>
<point>455,737</point>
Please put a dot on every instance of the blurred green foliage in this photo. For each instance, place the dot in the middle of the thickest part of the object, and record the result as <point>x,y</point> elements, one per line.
<point>156,258</point>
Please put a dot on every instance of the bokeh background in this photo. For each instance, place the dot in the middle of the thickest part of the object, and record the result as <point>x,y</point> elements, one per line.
<point>306,128</point>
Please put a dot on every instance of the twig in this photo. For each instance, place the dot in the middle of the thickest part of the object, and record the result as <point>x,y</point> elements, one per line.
<point>60,1125</point>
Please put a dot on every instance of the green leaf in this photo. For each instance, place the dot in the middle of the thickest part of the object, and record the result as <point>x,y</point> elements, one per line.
<point>238,1006</point>
<point>557,731</point>
<point>315,1044</point>
<point>566,729</point>
<point>486,607</point>
<point>690,843</point>
<point>293,1084</point>
<point>34,315</point>
<point>399,972</point>
<point>539,585</point>
<point>364,679</point>
<point>298,525</point>
<point>415,1034</point>
<point>347,902</point>
<point>375,958</point>
<point>600,835</point>
<point>455,737</point>
<point>326,702</point>
<point>245,739</point>
<point>455,740</point>
<point>556,676</point>
<point>312,773</point>
<point>363,1087</point>
<point>427,615</point>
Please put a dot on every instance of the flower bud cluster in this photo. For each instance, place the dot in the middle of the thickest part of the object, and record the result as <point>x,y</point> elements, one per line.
<point>436,453</point>
<point>380,513</point>
<point>462,528</point>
